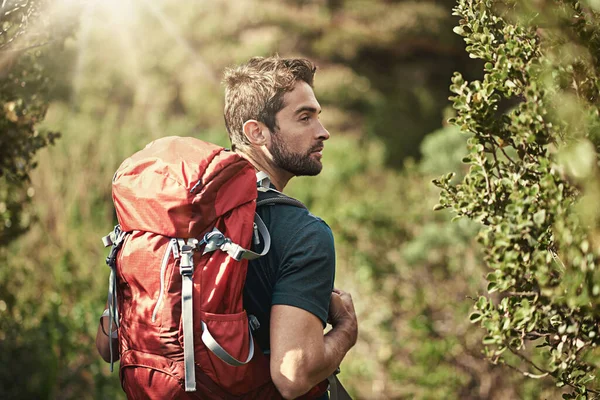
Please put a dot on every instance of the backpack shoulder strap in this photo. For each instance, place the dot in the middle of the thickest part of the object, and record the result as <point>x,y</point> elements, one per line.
<point>269,197</point>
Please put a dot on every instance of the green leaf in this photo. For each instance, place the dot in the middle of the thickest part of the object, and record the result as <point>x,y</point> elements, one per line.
<point>474,317</point>
<point>488,340</point>
<point>459,30</point>
<point>539,217</point>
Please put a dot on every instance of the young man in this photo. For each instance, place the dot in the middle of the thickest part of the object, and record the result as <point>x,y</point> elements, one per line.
<point>272,117</point>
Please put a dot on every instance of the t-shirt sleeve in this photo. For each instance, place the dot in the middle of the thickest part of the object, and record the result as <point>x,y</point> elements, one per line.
<point>307,272</point>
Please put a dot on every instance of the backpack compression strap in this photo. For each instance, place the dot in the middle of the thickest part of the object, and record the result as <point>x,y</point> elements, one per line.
<point>212,241</point>
<point>114,239</point>
<point>215,240</point>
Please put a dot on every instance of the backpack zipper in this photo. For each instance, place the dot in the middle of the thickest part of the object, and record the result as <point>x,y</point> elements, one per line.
<point>172,247</point>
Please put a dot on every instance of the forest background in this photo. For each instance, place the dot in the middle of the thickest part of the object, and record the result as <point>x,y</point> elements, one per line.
<point>115,75</point>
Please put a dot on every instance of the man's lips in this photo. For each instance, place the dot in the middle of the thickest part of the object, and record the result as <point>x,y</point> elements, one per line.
<point>318,150</point>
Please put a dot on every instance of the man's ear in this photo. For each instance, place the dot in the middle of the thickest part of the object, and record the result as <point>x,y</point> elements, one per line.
<point>256,132</point>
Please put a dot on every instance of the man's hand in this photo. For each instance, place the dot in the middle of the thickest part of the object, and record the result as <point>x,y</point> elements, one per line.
<point>342,314</point>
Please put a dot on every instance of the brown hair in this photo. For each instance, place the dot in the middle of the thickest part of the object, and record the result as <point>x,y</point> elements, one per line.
<point>255,90</point>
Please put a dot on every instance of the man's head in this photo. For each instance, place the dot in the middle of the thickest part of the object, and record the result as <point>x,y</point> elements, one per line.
<point>255,90</point>
<point>270,109</point>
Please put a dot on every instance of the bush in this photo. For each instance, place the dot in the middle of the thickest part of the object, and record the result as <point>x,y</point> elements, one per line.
<point>533,169</point>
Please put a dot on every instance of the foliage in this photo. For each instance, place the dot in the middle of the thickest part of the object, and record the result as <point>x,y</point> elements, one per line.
<point>410,273</point>
<point>25,93</point>
<point>24,97</point>
<point>136,71</point>
<point>533,167</point>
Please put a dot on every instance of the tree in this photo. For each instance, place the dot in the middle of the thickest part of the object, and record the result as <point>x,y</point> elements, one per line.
<point>26,89</point>
<point>24,98</point>
<point>533,182</point>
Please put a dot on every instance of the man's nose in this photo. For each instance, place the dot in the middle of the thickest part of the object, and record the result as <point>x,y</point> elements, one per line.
<point>323,133</point>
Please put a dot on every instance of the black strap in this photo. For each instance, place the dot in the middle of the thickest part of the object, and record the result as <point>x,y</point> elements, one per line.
<point>336,390</point>
<point>272,197</point>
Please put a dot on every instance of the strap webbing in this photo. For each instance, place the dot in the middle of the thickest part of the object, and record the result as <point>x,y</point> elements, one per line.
<point>188,333</point>
<point>186,268</point>
<point>220,352</point>
<point>336,389</point>
<point>113,312</point>
<point>264,232</point>
<point>271,197</point>
<point>114,239</point>
<point>262,180</point>
<point>215,240</point>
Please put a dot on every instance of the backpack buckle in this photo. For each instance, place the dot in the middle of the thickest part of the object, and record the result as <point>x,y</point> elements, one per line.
<point>214,240</point>
<point>253,322</point>
<point>186,265</point>
<point>114,239</point>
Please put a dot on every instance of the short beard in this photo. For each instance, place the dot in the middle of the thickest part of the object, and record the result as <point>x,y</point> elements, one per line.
<point>294,163</point>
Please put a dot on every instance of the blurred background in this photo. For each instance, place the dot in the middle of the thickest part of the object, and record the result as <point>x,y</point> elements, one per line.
<point>118,74</point>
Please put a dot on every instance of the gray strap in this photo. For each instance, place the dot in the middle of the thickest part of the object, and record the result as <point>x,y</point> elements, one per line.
<point>262,180</point>
<point>114,239</point>
<point>186,268</point>
<point>215,240</point>
<point>264,232</point>
<point>188,333</point>
<point>336,389</point>
<point>113,334</point>
<point>220,352</point>
<point>113,312</point>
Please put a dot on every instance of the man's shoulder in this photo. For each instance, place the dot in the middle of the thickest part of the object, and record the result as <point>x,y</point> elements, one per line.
<point>293,218</point>
<point>293,227</point>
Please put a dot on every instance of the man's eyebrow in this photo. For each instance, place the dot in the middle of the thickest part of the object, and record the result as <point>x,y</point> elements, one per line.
<point>307,108</point>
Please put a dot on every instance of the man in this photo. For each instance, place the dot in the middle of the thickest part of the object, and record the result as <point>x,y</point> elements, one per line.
<point>272,117</point>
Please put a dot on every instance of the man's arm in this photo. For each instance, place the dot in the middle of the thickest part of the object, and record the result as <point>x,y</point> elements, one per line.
<point>102,341</point>
<point>301,356</point>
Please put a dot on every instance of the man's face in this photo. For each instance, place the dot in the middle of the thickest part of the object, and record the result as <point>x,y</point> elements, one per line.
<point>297,146</point>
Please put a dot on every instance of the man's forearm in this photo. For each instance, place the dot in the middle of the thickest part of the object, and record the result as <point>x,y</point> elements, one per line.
<point>338,341</point>
<point>301,356</point>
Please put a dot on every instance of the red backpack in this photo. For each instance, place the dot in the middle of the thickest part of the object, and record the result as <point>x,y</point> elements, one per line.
<point>186,212</point>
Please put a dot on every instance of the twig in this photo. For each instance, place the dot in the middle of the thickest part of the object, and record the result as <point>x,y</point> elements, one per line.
<point>522,293</point>
<point>527,374</point>
<point>537,334</point>
<point>545,372</point>
<point>528,361</point>
<point>33,46</point>
<point>493,143</point>
<point>503,152</point>
<point>485,175</point>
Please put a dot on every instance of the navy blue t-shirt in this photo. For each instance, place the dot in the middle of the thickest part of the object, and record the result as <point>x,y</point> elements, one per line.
<point>298,270</point>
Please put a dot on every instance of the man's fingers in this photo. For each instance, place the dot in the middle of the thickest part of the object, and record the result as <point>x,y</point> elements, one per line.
<point>344,297</point>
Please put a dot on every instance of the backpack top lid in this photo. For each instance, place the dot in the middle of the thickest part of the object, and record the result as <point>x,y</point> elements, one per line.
<point>179,186</point>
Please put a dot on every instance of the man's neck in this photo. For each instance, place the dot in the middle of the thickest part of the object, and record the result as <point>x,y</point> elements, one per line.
<point>279,178</point>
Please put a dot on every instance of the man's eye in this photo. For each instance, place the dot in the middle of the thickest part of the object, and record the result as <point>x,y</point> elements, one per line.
<point>305,118</point>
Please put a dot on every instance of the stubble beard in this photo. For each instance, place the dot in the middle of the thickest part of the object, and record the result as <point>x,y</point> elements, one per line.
<point>294,163</point>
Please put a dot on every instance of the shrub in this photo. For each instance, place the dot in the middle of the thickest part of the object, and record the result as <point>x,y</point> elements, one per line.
<point>532,178</point>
